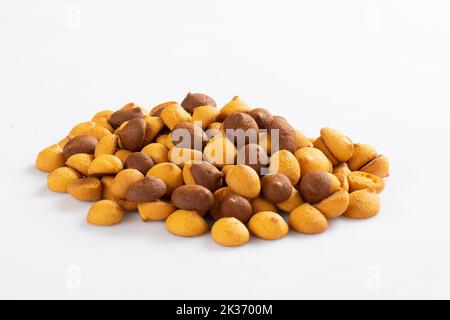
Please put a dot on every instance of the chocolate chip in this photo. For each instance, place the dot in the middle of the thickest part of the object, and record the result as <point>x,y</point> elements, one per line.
<point>194,100</point>
<point>116,119</point>
<point>146,190</point>
<point>254,156</point>
<point>262,117</point>
<point>139,161</point>
<point>239,125</point>
<point>287,136</point>
<point>276,188</point>
<point>193,197</point>
<point>188,135</point>
<point>207,175</point>
<point>237,207</point>
<point>79,144</point>
<point>132,134</point>
<point>315,187</point>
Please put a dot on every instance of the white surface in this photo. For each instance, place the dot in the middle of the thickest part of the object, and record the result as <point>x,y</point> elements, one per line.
<point>377,70</point>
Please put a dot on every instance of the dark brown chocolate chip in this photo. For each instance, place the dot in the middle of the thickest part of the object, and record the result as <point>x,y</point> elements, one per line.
<point>139,161</point>
<point>262,117</point>
<point>194,100</point>
<point>146,190</point>
<point>189,136</point>
<point>207,175</point>
<point>79,144</point>
<point>193,197</point>
<point>315,187</point>
<point>237,207</point>
<point>254,156</point>
<point>276,188</point>
<point>241,128</point>
<point>132,134</point>
<point>117,118</point>
<point>219,197</point>
<point>287,136</point>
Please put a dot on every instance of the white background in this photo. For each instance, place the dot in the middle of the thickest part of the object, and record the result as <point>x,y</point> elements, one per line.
<point>377,70</point>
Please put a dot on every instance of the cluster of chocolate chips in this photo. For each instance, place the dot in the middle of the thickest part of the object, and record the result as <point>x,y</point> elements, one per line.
<point>192,165</point>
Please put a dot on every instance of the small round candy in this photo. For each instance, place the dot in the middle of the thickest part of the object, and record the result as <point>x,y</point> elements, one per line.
<point>186,223</point>
<point>230,232</point>
<point>244,181</point>
<point>193,197</point>
<point>276,188</point>
<point>105,213</point>
<point>237,207</point>
<point>307,219</point>
<point>268,226</point>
